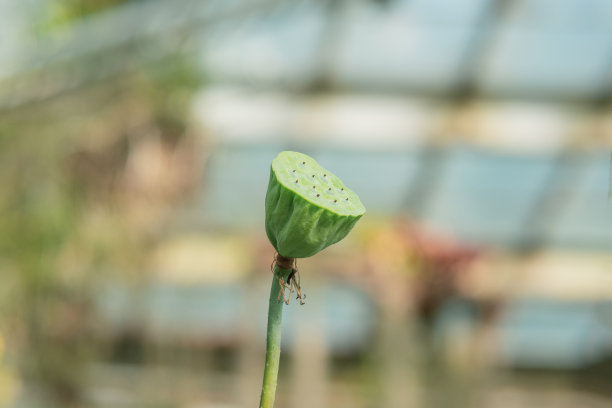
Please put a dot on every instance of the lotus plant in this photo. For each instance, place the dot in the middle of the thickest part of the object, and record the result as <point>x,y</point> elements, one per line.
<point>307,209</point>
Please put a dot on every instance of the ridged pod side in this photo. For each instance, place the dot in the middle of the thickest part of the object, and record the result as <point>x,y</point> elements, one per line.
<point>307,207</point>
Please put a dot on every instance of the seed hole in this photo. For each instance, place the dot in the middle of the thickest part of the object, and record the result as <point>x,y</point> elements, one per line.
<point>318,195</point>
<point>296,181</point>
<point>335,201</point>
<point>347,199</point>
<point>313,187</point>
<point>342,189</point>
<point>303,162</point>
<point>329,189</point>
<point>325,175</point>
<point>294,171</point>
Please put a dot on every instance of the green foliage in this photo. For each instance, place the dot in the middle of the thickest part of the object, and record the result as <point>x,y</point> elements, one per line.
<point>62,12</point>
<point>68,210</point>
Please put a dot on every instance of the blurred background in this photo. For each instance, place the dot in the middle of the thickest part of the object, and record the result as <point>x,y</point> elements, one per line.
<point>135,145</point>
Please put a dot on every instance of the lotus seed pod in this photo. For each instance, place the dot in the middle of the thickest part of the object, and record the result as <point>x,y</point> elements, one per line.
<point>307,207</point>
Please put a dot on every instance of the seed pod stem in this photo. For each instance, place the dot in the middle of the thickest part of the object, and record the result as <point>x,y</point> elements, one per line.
<point>275,318</point>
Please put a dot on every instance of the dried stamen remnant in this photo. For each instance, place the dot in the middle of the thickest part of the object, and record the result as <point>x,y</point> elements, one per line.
<point>292,284</point>
<point>282,297</point>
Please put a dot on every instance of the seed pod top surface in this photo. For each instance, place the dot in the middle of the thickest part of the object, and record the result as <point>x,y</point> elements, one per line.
<point>307,207</point>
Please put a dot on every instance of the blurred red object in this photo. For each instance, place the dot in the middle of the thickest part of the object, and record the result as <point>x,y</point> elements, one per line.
<point>439,261</point>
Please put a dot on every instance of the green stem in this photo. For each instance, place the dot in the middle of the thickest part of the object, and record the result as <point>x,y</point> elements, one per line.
<point>275,318</point>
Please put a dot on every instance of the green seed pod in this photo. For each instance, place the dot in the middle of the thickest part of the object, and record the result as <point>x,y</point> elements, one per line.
<point>307,207</point>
